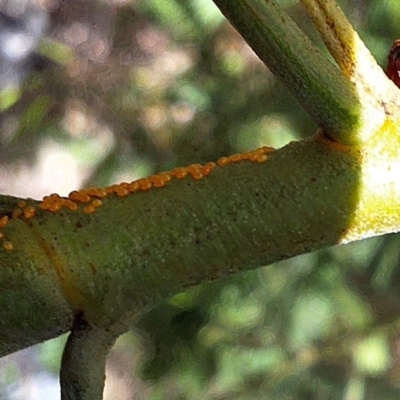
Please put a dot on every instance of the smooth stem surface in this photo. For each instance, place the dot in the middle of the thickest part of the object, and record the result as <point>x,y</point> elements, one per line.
<point>318,85</point>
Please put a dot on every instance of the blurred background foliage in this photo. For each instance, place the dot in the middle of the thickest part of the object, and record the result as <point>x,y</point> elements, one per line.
<point>96,92</point>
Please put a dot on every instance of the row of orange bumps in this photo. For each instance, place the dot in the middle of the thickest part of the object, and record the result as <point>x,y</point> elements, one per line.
<point>92,197</point>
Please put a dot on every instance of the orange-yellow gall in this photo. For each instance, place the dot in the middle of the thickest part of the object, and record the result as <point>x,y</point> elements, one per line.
<point>257,155</point>
<point>252,157</point>
<point>96,203</point>
<point>73,195</point>
<point>152,178</point>
<point>133,186</point>
<point>70,204</point>
<point>159,184</point>
<point>96,192</point>
<point>261,158</point>
<point>110,189</point>
<point>145,184</point>
<point>194,167</point>
<point>195,171</point>
<point>29,212</point>
<point>157,181</point>
<point>16,213</point>
<point>90,209</point>
<point>53,197</point>
<point>54,207</point>
<point>52,203</point>
<point>196,174</point>
<point>223,161</point>
<point>166,176</point>
<point>3,221</point>
<point>179,172</point>
<point>8,245</point>
<point>45,203</point>
<point>160,180</point>
<point>235,158</point>
<point>266,149</point>
<point>82,196</point>
<point>43,206</point>
<point>208,168</point>
<point>246,155</point>
<point>121,190</point>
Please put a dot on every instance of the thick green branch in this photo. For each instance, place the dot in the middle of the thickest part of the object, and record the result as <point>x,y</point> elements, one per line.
<point>137,250</point>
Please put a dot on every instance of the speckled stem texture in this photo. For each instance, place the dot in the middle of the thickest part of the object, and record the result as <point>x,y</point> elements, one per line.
<point>137,250</point>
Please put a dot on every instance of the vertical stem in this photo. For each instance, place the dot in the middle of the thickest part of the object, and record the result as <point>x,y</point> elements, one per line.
<point>84,360</point>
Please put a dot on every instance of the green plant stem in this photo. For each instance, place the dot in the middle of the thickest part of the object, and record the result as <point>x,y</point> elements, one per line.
<point>318,85</point>
<point>136,251</point>
<point>83,364</point>
<point>372,87</point>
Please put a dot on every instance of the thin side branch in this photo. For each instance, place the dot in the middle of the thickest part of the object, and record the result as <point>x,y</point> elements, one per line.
<point>372,86</point>
<point>318,85</point>
<point>83,364</point>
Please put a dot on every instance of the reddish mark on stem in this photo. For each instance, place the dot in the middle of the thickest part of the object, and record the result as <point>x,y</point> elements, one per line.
<point>29,212</point>
<point>393,63</point>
